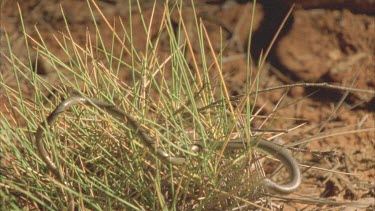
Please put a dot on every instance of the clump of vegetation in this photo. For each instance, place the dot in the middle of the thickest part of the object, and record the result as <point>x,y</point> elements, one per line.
<point>103,163</point>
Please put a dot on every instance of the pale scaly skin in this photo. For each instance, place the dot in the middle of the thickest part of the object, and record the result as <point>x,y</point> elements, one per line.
<point>273,149</point>
<point>270,148</point>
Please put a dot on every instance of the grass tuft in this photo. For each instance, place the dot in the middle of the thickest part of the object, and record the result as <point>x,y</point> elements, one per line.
<point>103,162</point>
<point>178,95</point>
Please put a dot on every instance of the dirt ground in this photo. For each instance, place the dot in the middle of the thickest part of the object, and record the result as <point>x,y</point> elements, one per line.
<point>333,43</point>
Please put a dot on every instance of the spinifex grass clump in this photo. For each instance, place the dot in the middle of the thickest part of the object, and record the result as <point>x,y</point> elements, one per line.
<point>103,163</point>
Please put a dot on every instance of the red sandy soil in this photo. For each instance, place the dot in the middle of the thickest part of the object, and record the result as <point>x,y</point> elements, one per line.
<point>330,43</point>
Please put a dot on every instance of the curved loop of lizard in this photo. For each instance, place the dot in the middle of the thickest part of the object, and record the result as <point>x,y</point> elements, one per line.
<point>273,149</point>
